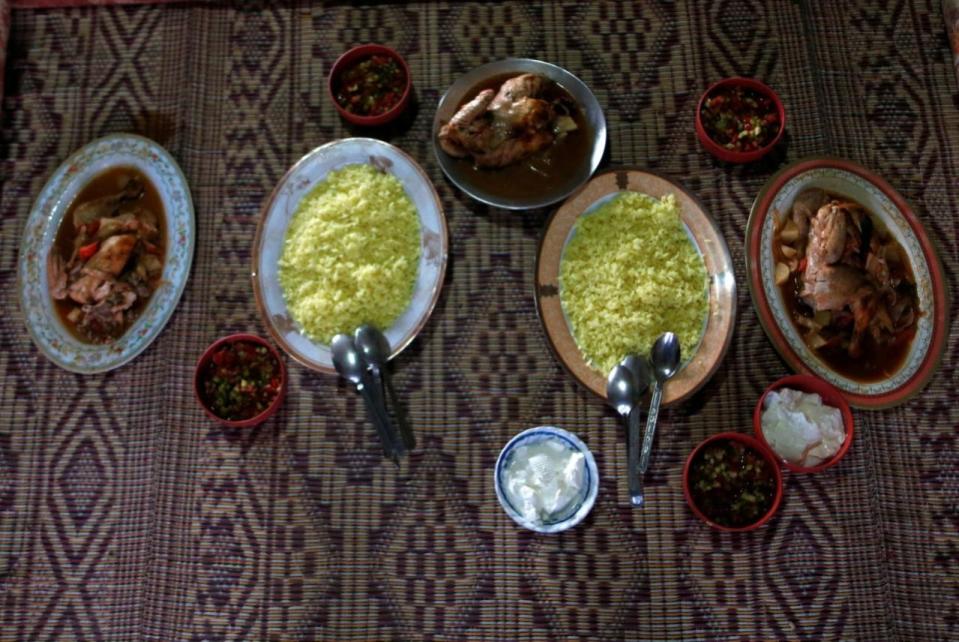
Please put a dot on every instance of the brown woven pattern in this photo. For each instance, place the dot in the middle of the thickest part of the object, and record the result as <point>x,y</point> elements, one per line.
<point>125,515</point>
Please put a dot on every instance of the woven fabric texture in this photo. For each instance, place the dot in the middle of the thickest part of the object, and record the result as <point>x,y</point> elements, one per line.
<point>126,515</point>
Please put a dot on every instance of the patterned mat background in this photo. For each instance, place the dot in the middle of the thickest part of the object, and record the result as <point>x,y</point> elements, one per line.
<point>125,515</point>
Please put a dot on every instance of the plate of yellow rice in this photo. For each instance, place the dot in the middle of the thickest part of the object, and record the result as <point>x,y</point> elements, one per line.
<point>353,234</point>
<point>628,257</point>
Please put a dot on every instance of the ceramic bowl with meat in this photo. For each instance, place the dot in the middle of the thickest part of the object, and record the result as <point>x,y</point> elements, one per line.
<point>846,281</point>
<point>519,133</point>
<point>106,253</point>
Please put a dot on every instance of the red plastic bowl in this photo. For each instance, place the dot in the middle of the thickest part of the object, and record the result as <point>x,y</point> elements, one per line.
<point>208,354</point>
<point>718,150</point>
<point>756,445</point>
<point>830,396</point>
<point>364,51</point>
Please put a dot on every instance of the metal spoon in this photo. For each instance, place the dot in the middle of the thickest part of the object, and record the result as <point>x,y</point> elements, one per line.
<point>639,364</point>
<point>349,363</point>
<point>375,349</point>
<point>664,359</point>
<point>623,393</point>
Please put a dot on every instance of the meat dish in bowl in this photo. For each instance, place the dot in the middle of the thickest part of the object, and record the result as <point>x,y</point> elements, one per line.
<point>513,119</point>
<point>519,133</point>
<point>847,284</point>
<point>107,259</point>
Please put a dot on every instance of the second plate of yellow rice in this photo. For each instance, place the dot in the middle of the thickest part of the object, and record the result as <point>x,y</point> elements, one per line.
<point>629,256</point>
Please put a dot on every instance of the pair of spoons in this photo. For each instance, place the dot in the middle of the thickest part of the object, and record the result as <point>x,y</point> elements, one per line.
<point>625,387</point>
<point>361,360</point>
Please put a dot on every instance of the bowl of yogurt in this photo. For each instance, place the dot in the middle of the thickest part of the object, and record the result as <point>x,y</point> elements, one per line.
<point>546,479</point>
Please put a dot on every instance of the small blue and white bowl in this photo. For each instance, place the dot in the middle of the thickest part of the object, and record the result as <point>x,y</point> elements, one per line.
<point>579,509</point>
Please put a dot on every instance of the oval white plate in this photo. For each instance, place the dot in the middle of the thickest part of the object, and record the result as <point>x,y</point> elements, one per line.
<point>42,321</point>
<point>271,231</point>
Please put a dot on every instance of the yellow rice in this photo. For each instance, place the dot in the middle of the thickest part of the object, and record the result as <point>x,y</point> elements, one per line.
<point>630,273</point>
<point>351,253</point>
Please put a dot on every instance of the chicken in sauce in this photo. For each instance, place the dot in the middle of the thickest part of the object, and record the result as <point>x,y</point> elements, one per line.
<point>107,259</point>
<point>502,126</point>
<point>847,284</point>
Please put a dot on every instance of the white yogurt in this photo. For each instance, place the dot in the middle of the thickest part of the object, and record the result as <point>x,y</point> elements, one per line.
<point>544,479</point>
<point>801,428</point>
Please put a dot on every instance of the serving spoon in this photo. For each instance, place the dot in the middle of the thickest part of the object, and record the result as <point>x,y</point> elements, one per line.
<point>375,350</point>
<point>664,359</point>
<point>623,392</point>
<point>350,365</point>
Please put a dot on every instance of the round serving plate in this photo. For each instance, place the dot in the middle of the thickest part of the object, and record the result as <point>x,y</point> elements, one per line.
<point>699,364</point>
<point>550,194</point>
<point>42,320</point>
<point>279,209</point>
<point>866,188</point>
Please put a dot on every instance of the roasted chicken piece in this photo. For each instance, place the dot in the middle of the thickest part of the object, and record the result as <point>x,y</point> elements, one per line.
<point>514,149</point>
<point>460,134</point>
<point>113,255</point>
<point>500,128</point>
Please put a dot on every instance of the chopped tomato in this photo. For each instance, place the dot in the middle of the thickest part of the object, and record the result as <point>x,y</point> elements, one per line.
<point>87,251</point>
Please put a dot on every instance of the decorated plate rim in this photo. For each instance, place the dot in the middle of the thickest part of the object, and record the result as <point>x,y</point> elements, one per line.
<point>869,396</point>
<point>47,211</point>
<point>722,295</point>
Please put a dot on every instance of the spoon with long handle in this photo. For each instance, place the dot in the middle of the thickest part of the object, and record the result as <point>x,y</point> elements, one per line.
<point>375,350</point>
<point>623,393</point>
<point>664,360</point>
<point>349,363</point>
<point>639,365</point>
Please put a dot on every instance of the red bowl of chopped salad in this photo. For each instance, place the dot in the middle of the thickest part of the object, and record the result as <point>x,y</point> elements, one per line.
<point>240,380</point>
<point>370,85</point>
<point>740,120</point>
<point>732,482</point>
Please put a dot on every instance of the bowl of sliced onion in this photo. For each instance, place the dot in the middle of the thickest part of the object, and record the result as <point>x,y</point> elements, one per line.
<point>805,421</point>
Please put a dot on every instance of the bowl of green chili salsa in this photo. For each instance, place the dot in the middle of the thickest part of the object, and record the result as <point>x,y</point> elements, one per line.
<point>740,120</point>
<point>240,380</point>
<point>732,482</point>
<point>370,85</point>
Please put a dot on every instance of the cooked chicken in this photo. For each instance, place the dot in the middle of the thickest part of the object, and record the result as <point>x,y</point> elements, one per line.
<point>845,274</point>
<point>514,90</point>
<point>513,149</point>
<point>833,287</point>
<point>124,223</point>
<point>500,128</point>
<point>111,259</point>
<point>466,124</point>
<point>57,276</point>
<point>108,205</point>
<point>92,287</point>
<point>113,254</point>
